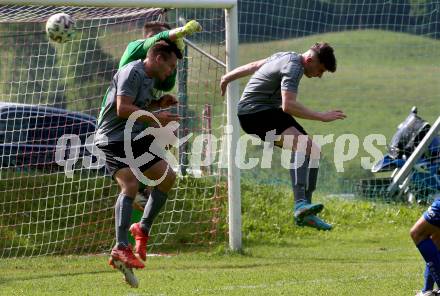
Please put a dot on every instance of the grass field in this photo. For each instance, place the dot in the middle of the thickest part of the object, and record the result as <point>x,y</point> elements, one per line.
<point>380,76</point>
<point>368,253</point>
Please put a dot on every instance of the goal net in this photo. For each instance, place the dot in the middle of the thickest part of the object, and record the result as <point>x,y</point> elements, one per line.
<point>51,205</point>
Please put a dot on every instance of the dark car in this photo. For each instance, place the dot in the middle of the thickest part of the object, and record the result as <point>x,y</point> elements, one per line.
<point>29,134</point>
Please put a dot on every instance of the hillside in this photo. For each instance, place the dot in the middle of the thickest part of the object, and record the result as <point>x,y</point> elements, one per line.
<point>380,76</point>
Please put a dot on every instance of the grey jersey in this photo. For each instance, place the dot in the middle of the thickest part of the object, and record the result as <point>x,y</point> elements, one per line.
<point>130,81</point>
<point>281,71</point>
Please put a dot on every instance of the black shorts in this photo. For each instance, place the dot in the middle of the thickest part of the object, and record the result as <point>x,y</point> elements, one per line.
<point>259,123</point>
<point>116,149</point>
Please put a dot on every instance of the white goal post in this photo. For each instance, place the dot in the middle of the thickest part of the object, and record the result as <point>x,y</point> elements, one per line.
<point>232,96</point>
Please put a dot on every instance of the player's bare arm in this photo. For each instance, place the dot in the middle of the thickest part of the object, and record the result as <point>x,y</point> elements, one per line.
<point>165,101</point>
<point>125,107</point>
<point>240,72</point>
<point>291,106</point>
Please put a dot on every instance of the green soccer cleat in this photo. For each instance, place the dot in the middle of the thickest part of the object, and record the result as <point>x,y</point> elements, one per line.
<point>314,222</point>
<point>303,209</point>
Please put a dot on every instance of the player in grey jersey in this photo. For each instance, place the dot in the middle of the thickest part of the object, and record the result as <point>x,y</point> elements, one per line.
<point>266,108</point>
<point>131,90</point>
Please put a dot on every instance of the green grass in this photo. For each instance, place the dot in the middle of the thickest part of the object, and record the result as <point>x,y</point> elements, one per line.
<point>368,253</point>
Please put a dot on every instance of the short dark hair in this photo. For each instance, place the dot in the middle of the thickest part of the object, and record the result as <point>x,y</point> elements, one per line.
<point>152,28</point>
<point>325,55</point>
<point>165,49</point>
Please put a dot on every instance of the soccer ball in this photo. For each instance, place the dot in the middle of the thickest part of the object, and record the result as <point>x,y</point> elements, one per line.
<point>60,27</point>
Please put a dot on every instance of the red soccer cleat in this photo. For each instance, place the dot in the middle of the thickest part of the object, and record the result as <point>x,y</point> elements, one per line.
<point>129,276</point>
<point>126,256</point>
<point>141,240</point>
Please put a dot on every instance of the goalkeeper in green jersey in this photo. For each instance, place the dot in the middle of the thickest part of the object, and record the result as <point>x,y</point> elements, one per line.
<point>153,32</point>
<point>138,49</point>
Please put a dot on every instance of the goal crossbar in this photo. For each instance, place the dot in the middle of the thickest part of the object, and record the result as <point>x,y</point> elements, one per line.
<point>130,3</point>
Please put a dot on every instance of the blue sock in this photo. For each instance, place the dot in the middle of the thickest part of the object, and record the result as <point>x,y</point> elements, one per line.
<point>429,281</point>
<point>430,254</point>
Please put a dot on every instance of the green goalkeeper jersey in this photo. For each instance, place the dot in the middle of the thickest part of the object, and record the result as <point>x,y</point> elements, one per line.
<point>138,50</point>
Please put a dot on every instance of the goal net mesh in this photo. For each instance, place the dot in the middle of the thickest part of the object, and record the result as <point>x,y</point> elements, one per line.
<point>48,90</point>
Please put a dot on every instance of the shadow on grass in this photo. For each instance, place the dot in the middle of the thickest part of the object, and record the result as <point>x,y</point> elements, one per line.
<point>36,276</point>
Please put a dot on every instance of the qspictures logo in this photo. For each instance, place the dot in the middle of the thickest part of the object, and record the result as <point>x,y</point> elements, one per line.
<point>346,147</point>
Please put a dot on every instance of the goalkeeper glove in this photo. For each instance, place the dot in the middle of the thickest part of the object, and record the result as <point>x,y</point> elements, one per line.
<point>190,28</point>
<point>180,45</point>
